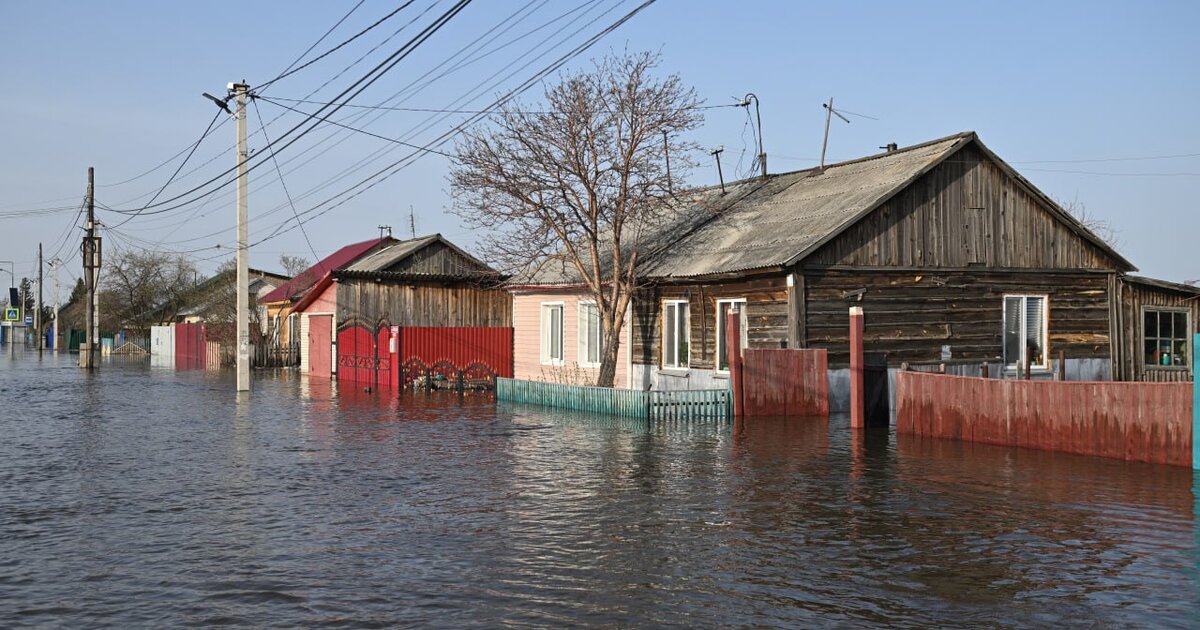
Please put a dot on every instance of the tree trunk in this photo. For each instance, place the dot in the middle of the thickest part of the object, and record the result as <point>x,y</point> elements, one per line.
<point>608,358</point>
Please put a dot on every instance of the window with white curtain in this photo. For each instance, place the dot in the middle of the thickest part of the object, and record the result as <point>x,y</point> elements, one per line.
<point>723,309</point>
<point>1025,336</point>
<point>552,333</point>
<point>591,342</point>
<point>676,335</point>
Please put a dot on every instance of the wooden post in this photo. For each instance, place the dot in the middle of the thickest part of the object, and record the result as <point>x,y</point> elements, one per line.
<point>983,369</point>
<point>1062,366</point>
<point>858,410</point>
<point>1195,404</point>
<point>733,334</point>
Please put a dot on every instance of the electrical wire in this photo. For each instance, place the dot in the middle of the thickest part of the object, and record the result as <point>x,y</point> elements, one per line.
<point>362,131</point>
<point>284,184</point>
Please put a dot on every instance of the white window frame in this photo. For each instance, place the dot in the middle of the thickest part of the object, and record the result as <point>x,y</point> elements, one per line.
<point>582,334</point>
<point>1188,335</point>
<point>673,364</point>
<point>1019,364</point>
<point>743,324</point>
<point>546,330</point>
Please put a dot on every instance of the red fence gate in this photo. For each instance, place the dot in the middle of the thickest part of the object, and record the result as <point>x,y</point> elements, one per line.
<point>190,351</point>
<point>785,382</point>
<point>392,356</point>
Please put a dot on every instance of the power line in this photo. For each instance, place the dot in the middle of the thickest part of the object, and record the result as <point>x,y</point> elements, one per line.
<point>354,8</point>
<point>283,183</point>
<point>362,131</point>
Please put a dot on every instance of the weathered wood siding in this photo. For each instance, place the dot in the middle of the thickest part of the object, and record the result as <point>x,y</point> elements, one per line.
<point>1129,355</point>
<point>422,303</point>
<point>438,258</point>
<point>966,211</point>
<point>911,315</point>
<point>766,307</point>
<point>527,342</point>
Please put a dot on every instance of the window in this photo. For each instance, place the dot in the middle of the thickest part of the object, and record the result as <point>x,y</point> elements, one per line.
<point>1165,336</point>
<point>590,336</point>
<point>1025,332</point>
<point>552,333</point>
<point>723,308</point>
<point>675,334</point>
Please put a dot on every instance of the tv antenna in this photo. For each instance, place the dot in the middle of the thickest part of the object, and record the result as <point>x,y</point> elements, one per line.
<point>412,221</point>
<point>717,154</point>
<point>382,228</point>
<point>829,112</point>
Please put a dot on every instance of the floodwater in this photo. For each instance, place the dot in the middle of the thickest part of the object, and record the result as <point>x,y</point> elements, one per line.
<point>140,496</point>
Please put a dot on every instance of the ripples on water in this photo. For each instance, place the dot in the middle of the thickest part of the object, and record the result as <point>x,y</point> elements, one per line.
<point>145,497</point>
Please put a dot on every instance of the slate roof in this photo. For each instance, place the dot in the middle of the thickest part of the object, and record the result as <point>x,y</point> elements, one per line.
<point>396,252</point>
<point>306,279</point>
<point>777,221</point>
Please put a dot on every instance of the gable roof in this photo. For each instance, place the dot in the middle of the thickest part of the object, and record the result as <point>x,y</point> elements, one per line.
<point>395,253</point>
<point>789,216</point>
<point>309,277</point>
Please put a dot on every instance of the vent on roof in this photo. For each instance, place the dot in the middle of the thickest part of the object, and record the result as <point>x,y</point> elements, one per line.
<point>890,147</point>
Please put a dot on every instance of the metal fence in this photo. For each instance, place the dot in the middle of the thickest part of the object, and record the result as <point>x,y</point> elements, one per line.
<point>653,405</point>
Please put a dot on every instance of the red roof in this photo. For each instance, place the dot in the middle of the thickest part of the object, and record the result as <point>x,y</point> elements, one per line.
<point>306,279</point>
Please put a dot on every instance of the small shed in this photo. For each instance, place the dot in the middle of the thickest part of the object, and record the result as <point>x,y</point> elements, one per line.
<point>1157,320</point>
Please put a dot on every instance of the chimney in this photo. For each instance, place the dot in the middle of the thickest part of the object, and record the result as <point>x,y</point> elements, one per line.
<point>890,147</point>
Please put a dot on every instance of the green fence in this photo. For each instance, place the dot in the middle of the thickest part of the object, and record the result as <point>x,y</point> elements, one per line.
<point>677,405</point>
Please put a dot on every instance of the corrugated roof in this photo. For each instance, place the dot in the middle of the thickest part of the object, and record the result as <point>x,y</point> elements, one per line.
<point>789,215</point>
<point>394,253</point>
<point>306,279</point>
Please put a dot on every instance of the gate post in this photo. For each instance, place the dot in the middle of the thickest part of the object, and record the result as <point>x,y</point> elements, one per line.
<point>733,333</point>
<point>1195,404</point>
<point>857,395</point>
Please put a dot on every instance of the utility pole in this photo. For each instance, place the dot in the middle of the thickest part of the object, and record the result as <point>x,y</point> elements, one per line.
<point>720,176</point>
<point>91,259</point>
<point>37,315</point>
<point>54,343</point>
<point>762,153</point>
<point>239,90</point>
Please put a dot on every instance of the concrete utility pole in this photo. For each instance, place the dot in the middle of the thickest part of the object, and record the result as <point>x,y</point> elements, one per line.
<point>55,263</point>
<point>91,270</point>
<point>37,315</point>
<point>243,269</point>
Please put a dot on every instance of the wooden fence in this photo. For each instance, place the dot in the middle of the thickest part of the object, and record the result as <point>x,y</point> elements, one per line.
<point>654,405</point>
<point>1148,422</point>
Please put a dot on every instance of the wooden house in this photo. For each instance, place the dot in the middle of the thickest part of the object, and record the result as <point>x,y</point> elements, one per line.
<point>281,325</point>
<point>421,282</point>
<point>956,259</point>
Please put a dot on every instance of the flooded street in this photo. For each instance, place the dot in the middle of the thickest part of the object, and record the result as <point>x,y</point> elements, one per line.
<point>142,496</point>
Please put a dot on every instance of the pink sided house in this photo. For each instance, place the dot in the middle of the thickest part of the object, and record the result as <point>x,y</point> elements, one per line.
<point>556,332</point>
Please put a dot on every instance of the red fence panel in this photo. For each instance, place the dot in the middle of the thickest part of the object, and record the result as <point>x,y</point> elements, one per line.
<point>462,346</point>
<point>1148,422</point>
<point>190,350</point>
<point>356,356</point>
<point>785,382</point>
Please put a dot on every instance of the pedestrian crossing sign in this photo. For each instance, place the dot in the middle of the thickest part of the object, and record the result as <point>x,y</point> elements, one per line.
<point>12,314</point>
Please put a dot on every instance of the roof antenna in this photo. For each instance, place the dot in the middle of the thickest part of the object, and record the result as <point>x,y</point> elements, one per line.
<point>382,228</point>
<point>829,110</point>
<point>717,154</point>
<point>412,221</point>
<point>667,155</point>
<point>762,154</point>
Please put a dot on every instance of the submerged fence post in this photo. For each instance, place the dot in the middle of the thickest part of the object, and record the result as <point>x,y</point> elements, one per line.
<point>1195,404</point>
<point>733,334</point>
<point>858,399</point>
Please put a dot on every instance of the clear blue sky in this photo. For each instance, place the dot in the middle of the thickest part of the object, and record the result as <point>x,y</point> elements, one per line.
<point>1068,93</point>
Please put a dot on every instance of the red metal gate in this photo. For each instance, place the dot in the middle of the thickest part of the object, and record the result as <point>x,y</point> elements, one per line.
<point>392,356</point>
<point>365,354</point>
<point>190,351</point>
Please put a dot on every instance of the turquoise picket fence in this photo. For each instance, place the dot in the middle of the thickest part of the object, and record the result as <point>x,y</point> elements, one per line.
<point>654,405</point>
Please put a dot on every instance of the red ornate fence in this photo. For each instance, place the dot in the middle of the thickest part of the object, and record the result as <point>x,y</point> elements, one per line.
<point>785,382</point>
<point>190,350</point>
<point>1148,422</point>
<point>391,356</point>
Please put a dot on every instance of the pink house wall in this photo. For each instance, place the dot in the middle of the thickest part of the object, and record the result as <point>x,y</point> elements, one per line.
<point>527,344</point>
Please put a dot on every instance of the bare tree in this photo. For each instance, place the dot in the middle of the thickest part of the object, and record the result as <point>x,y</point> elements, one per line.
<point>293,265</point>
<point>580,180</point>
<point>1101,228</point>
<point>143,289</point>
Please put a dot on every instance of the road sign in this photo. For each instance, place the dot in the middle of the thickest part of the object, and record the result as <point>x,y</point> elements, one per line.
<point>29,320</point>
<point>12,314</point>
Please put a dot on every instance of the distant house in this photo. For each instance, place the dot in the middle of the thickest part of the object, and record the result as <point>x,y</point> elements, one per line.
<point>956,259</point>
<point>281,325</point>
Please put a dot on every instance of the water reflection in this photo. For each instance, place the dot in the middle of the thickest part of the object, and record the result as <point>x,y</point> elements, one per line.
<point>140,496</point>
